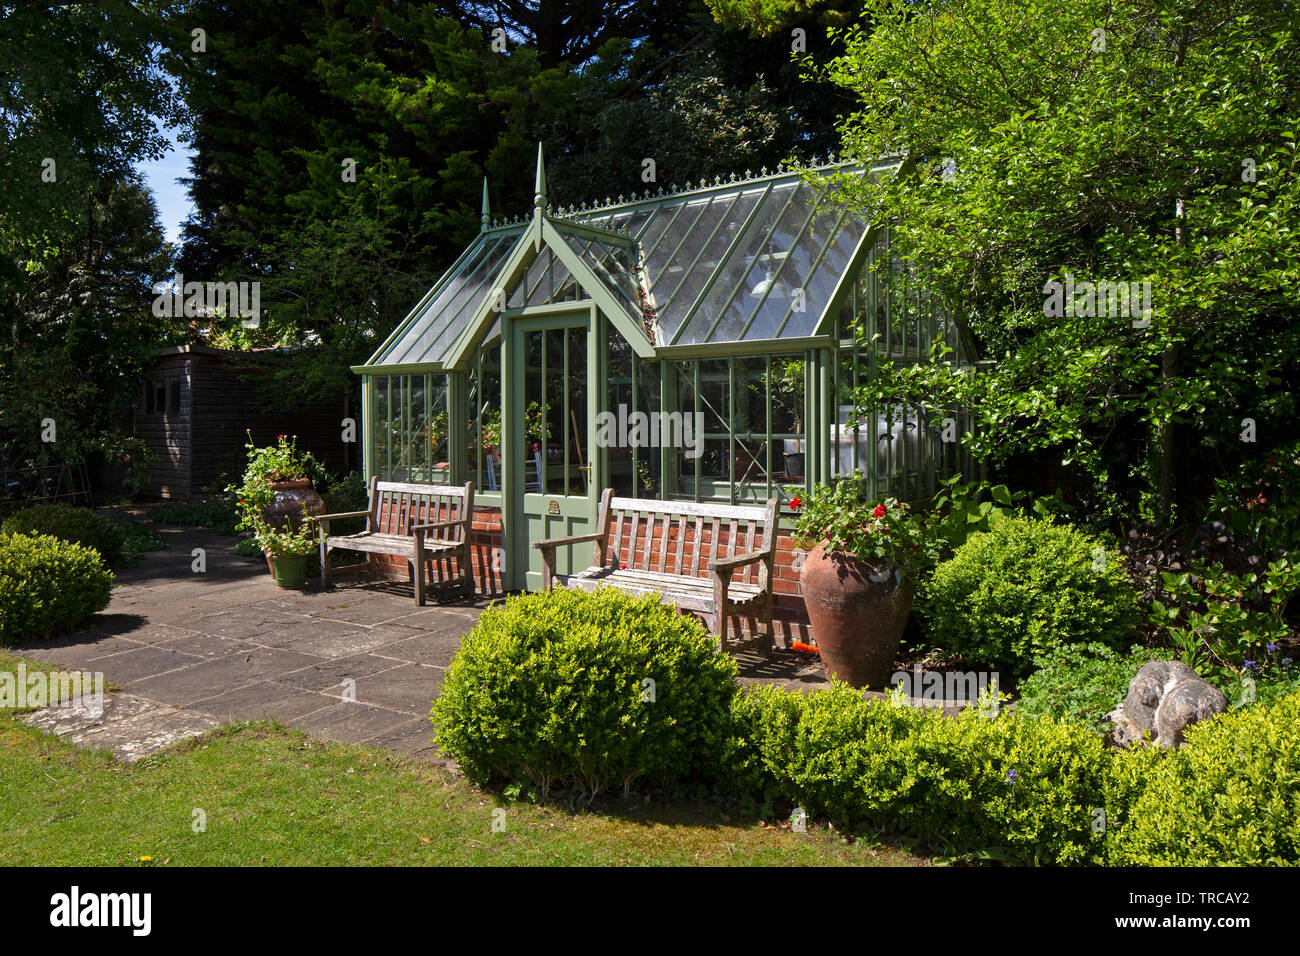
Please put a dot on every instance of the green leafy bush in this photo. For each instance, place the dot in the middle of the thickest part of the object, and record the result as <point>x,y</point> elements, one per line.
<point>1027,586</point>
<point>48,586</point>
<point>217,513</point>
<point>1230,795</point>
<point>1012,788</point>
<point>1082,683</point>
<point>553,688</point>
<point>73,524</point>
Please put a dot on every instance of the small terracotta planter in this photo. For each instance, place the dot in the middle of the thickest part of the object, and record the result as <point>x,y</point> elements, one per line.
<point>858,611</point>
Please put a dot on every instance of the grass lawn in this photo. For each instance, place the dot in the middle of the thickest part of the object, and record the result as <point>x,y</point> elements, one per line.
<point>272,796</point>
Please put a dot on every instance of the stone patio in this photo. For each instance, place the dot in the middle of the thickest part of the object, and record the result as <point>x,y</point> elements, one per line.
<point>188,651</point>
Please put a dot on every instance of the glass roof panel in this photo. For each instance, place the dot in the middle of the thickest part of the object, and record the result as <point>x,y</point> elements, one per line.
<point>819,284</point>
<point>432,314</point>
<point>754,241</point>
<point>700,256</point>
<point>442,327</point>
<point>766,288</point>
<point>712,264</point>
<point>610,266</point>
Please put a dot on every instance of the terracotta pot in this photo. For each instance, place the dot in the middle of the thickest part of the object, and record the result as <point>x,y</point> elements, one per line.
<point>858,611</point>
<point>293,499</point>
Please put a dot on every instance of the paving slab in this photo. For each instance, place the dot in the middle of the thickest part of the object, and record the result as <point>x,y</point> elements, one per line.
<point>332,638</point>
<point>263,699</point>
<point>139,662</point>
<point>435,648</point>
<point>327,676</point>
<point>409,687</point>
<point>351,722</point>
<point>414,738</point>
<point>129,726</point>
<point>206,646</point>
<point>244,622</point>
<point>208,678</point>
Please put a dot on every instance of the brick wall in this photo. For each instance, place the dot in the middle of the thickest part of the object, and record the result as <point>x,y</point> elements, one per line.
<point>486,546</point>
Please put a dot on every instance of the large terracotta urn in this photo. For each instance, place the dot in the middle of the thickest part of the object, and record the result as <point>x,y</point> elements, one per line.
<point>858,611</point>
<point>293,500</point>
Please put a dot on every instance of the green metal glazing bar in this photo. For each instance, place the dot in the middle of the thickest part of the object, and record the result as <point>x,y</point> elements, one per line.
<point>636,452</point>
<point>699,459</point>
<point>564,421</point>
<point>767,425</point>
<point>731,429</point>
<point>689,314</point>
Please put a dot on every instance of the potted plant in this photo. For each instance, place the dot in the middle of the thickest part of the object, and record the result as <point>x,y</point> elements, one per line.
<point>288,549</point>
<point>859,577</point>
<point>276,494</point>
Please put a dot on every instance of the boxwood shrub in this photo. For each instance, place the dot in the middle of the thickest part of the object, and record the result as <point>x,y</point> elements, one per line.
<point>1027,586</point>
<point>1229,796</point>
<point>1015,789</point>
<point>73,524</point>
<point>589,691</point>
<point>48,586</point>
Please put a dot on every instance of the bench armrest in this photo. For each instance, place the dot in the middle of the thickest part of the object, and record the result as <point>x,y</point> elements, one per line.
<point>549,544</point>
<point>737,561</point>
<point>417,528</point>
<point>342,514</point>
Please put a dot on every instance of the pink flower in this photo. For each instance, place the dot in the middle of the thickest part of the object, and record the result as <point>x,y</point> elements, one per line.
<point>126,457</point>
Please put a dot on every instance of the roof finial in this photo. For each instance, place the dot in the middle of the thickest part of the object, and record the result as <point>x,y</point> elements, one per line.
<point>539,191</point>
<point>485,218</point>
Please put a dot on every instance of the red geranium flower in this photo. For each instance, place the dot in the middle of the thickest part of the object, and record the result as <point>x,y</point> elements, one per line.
<point>879,511</point>
<point>794,503</point>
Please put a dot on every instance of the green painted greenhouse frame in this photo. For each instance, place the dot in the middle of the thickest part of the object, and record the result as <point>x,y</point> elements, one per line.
<point>751,307</point>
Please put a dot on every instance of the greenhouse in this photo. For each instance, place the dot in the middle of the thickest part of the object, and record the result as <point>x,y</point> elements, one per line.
<point>701,345</point>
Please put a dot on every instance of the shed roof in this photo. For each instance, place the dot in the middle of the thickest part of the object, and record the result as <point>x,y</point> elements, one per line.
<point>750,260</point>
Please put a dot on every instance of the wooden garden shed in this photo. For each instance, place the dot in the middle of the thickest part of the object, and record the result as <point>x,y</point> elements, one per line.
<point>196,404</point>
<point>745,311</point>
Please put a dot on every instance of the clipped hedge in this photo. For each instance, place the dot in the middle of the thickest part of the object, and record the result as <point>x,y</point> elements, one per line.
<point>73,524</point>
<point>48,586</point>
<point>1024,588</point>
<point>553,688</point>
<point>1016,789</point>
<point>1229,795</point>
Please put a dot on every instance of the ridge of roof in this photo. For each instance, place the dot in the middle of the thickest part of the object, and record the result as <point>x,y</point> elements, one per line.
<point>783,171</point>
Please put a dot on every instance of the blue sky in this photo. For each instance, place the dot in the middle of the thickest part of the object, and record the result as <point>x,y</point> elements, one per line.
<point>174,205</point>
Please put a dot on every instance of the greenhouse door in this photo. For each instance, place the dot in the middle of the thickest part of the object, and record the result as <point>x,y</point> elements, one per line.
<point>552,488</point>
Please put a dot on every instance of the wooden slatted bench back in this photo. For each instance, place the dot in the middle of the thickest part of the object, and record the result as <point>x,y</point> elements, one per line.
<point>396,506</point>
<point>682,537</point>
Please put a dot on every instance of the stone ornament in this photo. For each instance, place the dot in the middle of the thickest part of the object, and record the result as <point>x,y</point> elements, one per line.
<point>1163,699</point>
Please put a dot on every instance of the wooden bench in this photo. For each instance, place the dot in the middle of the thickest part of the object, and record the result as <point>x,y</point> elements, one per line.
<point>398,523</point>
<point>736,576</point>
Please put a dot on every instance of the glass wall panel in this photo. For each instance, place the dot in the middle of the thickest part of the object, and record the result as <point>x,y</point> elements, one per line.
<point>408,428</point>
<point>634,467</point>
<point>484,399</point>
